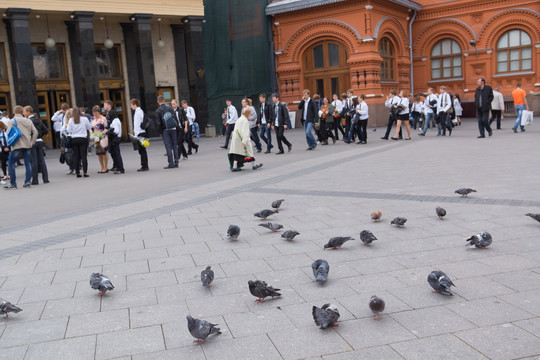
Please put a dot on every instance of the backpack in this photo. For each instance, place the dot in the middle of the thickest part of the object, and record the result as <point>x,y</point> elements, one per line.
<point>169,120</point>
<point>145,123</point>
<point>14,134</point>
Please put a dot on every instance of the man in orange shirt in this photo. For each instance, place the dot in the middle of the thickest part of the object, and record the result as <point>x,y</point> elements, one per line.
<point>520,102</point>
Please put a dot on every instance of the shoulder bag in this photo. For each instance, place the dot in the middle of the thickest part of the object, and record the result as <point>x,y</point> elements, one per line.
<point>14,134</point>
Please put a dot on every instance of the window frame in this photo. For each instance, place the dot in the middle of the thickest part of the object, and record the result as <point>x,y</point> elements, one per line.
<point>60,47</point>
<point>389,62</point>
<point>511,48</point>
<point>441,57</point>
<point>100,47</point>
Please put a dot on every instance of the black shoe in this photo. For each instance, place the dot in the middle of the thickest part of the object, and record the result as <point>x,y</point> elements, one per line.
<point>346,141</point>
<point>26,185</point>
<point>267,152</point>
<point>309,148</point>
<point>143,169</point>
<point>384,138</point>
<point>46,181</point>
<point>169,167</point>
<point>259,150</point>
<point>480,137</point>
<point>314,146</point>
<point>80,176</point>
<point>422,134</point>
<point>184,158</point>
<point>290,148</point>
<point>255,167</point>
<point>113,169</point>
<point>491,132</point>
<point>280,152</point>
<point>118,172</point>
<point>86,175</point>
<point>223,147</point>
<point>175,165</point>
<point>196,149</point>
<point>10,187</point>
<point>235,169</point>
<point>189,153</point>
<point>35,183</point>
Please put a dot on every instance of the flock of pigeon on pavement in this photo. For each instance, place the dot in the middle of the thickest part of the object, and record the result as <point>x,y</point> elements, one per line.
<point>328,314</point>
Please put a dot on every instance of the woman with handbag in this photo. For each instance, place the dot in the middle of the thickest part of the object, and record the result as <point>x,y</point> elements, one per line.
<point>78,127</point>
<point>101,141</point>
<point>403,115</point>
<point>65,144</point>
<point>327,120</point>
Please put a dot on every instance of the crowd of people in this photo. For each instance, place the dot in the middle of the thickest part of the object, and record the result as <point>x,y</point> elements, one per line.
<point>76,132</point>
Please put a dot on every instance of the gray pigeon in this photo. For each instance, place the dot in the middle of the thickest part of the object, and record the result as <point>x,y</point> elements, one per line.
<point>261,290</point>
<point>337,242</point>
<point>399,221</point>
<point>440,212</point>
<point>200,329</point>
<point>367,237</point>
<point>320,269</point>
<point>481,240</point>
<point>276,204</point>
<point>100,282</point>
<point>263,214</point>
<point>440,282</point>
<point>290,234</point>
<point>272,226</point>
<point>534,216</point>
<point>325,316</point>
<point>233,232</point>
<point>376,304</point>
<point>207,276</point>
<point>7,307</point>
<point>464,191</point>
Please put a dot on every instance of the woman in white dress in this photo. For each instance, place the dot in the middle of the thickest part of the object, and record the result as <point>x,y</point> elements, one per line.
<point>241,150</point>
<point>457,108</point>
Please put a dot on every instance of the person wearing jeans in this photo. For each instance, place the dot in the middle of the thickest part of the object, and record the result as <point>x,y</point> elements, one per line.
<point>520,103</point>
<point>308,110</point>
<point>354,120</point>
<point>430,106</point>
<point>168,132</point>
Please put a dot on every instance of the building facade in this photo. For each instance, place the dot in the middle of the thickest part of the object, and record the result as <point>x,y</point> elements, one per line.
<point>373,46</point>
<point>81,53</point>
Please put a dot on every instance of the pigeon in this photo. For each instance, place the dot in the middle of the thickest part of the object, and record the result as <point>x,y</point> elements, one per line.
<point>7,307</point>
<point>534,216</point>
<point>376,304</point>
<point>261,289</point>
<point>376,215</point>
<point>207,276</point>
<point>367,237</point>
<point>272,226</point>
<point>325,316</point>
<point>481,240</point>
<point>464,191</point>
<point>440,282</point>
<point>337,242</point>
<point>276,204</point>
<point>290,234</point>
<point>320,270</point>
<point>263,214</point>
<point>399,221</point>
<point>440,212</point>
<point>233,232</point>
<point>200,329</point>
<point>100,282</point>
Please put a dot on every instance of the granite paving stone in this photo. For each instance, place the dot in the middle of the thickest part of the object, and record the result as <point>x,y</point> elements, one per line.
<point>257,322</point>
<point>489,311</point>
<point>13,353</point>
<point>125,299</point>
<point>157,314</point>
<point>191,353</point>
<point>251,347</point>
<point>50,292</point>
<point>527,300</point>
<point>447,347</point>
<point>31,332</point>
<point>129,342</point>
<point>216,305</point>
<point>28,280</point>
<point>432,321</point>
<point>97,323</point>
<point>82,348</point>
<point>170,263</point>
<point>154,279</point>
<point>71,306</point>
<point>375,353</point>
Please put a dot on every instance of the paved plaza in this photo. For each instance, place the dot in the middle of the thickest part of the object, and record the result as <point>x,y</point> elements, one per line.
<point>152,234</point>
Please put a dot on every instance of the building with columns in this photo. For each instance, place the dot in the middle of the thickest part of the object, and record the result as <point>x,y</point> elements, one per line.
<point>373,46</point>
<point>82,53</point>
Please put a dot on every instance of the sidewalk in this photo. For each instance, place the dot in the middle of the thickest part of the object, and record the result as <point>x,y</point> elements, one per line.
<point>152,234</point>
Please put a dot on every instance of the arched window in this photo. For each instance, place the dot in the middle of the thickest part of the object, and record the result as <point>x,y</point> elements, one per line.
<point>325,68</point>
<point>387,52</point>
<point>514,51</point>
<point>446,60</point>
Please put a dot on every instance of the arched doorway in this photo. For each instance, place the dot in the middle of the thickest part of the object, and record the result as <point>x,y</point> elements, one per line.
<point>325,68</point>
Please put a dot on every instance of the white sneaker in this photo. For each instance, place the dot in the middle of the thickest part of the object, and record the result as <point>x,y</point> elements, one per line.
<point>2,182</point>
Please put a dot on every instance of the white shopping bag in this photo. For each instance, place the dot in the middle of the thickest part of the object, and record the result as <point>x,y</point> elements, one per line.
<point>526,117</point>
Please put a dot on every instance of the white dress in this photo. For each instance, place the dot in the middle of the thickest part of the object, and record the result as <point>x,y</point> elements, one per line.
<point>457,108</point>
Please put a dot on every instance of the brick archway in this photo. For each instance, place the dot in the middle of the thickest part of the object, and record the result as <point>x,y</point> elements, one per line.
<point>437,30</point>
<point>520,18</point>
<point>390,25</point>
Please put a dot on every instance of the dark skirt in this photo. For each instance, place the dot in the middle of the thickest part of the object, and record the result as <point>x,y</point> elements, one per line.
<point>241,159</point>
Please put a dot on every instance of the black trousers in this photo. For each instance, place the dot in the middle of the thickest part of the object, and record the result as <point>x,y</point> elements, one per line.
<point>496,114</point>
<point>117,157</point>
<point>362,129</point>
<point>80,154</point>
<point>189,139</point>
<point>391,122</point>
<point>4,160</point>
<point>230,128</point>
<point>327,131</point>
<point>446,123</point>
<point>180,138</point>
<point>38,162</point>
<point>143,154</point>
<point>281,139</point>
<point>337,126</point>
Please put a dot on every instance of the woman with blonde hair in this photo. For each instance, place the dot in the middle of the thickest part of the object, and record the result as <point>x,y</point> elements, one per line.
<point>403,115</point>
<point>65,143</point>
<point>78,127</point>
<point>98,128</point>
<point>241,150</point>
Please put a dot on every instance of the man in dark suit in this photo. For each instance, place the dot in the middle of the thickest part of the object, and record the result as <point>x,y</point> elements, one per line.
<point>182,130</point>
<point>279,116</point>
<point>265,123</point>
<point>309,115</point>
<point>482,101</point>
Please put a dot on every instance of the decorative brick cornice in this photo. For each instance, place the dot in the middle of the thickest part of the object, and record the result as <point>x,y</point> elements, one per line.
<point>391,25</point>
<point>525,19</point>
<point>445,28</point>
<point>436,12</point>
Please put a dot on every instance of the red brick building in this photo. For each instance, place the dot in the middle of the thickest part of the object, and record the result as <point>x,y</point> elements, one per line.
<point>373,46</point>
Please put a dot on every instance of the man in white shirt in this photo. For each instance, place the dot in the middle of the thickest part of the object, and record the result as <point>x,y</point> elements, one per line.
<point>338,108</point>
<point>443,107</point>
<point>497,106</point>
<point>5,118</point>
<point>114,145</point>
<point>430,107</point>
<point>58,120</point>
<point>232,116</point>
<point>138,131</point>
<point>363,113</point>
<point>190,115</point>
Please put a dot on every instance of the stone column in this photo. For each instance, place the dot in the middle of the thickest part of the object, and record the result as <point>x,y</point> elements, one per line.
<point>83,56</point>
<point>193,26</point>
<point>130,45</point>
<point>20,46</point>
<point>181,62</point>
